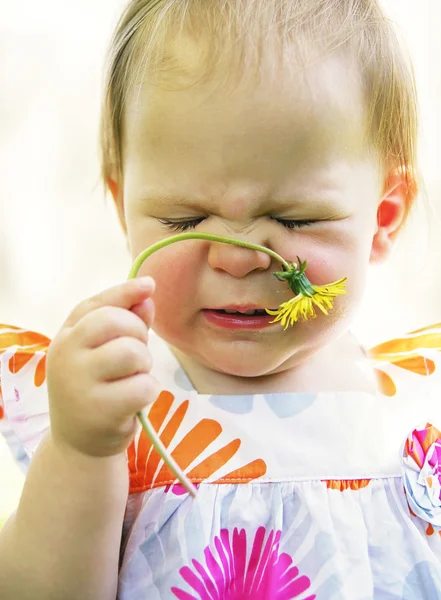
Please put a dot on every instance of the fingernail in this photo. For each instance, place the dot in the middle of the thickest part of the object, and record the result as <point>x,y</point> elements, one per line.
<point>147,282</point>
<point>149,305</point>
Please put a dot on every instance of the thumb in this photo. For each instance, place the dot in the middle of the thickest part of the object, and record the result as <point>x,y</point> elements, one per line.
<point>145,310</point>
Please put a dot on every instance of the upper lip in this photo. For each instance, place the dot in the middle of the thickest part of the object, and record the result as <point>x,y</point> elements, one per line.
<point>240,308</point>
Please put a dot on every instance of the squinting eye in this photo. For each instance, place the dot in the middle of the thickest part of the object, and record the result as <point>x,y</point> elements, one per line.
<point>180,225</point>
<point>192,223</point>
<point>293,224</point>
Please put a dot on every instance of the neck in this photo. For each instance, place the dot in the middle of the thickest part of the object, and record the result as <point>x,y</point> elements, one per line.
<point>339,367</point>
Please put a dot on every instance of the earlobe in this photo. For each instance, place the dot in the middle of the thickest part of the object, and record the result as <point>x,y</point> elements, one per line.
<point>113,187</point>
<point>392,212</point>
<point>119,202</point>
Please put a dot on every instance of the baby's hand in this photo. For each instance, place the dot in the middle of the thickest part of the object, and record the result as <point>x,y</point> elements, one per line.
<point>98,370</point>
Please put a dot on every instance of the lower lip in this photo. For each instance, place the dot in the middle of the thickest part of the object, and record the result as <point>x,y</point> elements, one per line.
<point>227,321</point>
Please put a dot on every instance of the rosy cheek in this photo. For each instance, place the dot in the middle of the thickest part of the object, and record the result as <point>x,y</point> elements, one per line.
<point>323,271</point>
<point>324,264</point>
<point>175,270</point>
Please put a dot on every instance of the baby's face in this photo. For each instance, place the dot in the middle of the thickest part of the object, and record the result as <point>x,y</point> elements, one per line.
<point>239,164</point>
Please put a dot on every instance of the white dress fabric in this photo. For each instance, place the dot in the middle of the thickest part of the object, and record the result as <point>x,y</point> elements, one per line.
<point>333,496</point>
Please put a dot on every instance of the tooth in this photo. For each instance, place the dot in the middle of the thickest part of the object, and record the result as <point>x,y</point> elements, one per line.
<point>241,312</point>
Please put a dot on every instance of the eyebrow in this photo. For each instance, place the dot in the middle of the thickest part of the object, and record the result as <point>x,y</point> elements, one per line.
<point>169,199</point>
<point>177,200</point>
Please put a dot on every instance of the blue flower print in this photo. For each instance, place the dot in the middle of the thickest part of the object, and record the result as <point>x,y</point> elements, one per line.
<point>182,380</point>
<point>282,405</point>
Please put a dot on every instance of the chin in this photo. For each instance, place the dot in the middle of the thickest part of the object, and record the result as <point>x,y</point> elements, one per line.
<point>240,367</point>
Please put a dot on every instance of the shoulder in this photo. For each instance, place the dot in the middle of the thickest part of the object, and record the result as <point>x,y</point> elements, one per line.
<point>24,407</point>
<point>22,358</point>
<point>410,362</point>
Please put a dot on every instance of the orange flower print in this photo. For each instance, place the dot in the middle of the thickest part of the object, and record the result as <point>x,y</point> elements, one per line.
<point>146,468</point>
<point>29,343</point>
<point>346,484</point>
<point>405,353</point>
<point>429,530</point>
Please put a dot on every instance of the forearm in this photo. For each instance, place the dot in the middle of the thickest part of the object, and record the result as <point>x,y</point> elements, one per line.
<point>64,540</point>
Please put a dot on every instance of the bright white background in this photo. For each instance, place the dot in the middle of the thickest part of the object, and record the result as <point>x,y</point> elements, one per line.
<point>60,242</point>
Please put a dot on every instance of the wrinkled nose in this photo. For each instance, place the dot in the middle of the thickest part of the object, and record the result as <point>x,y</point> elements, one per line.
<point>237,261</point>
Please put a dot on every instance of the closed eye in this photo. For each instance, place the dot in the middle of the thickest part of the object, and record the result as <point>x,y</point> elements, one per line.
<point>192,223</point>
<point>181,225</point>
<point>293,223</point>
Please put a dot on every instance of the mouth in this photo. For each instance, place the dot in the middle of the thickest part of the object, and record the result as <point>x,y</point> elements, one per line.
<point>242,311</point>
<point>239,317</point>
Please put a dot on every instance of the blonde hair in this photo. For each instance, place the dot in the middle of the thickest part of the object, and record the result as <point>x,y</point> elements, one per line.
<point>249,30</point>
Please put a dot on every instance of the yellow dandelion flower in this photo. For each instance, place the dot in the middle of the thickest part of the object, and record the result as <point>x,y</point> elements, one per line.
<point>301,307</point>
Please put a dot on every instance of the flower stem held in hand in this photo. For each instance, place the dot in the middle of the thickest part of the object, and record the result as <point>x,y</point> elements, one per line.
<point>299,307</point>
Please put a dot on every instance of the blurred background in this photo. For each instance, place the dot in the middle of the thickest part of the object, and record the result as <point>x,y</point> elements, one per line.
<point>60,241</point>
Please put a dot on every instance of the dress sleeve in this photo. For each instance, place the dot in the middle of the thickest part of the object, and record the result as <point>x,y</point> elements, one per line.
<point>13,443</point>
<point>24,405</point>
<point>409,362</point>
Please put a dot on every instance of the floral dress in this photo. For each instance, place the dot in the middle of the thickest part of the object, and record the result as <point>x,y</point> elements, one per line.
<point>307,496</point>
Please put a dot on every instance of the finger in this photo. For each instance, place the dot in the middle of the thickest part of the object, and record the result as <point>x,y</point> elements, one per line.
<point>145,311</point>
<point>126,397</point>
<point>124,295</point>
<point>120,358</point>
<point>108,323</point>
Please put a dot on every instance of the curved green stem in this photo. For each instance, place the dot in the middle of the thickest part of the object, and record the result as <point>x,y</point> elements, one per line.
<point>200,236</point>
<point>145,423</point>
<point>166,457</point>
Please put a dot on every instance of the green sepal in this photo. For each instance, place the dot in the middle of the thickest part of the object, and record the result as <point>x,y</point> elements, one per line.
<point>296,278</point>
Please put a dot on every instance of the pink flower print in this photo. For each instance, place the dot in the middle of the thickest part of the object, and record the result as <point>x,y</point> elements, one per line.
<point>421,469</point>
<point>178,489</point>
<point>228,575</point>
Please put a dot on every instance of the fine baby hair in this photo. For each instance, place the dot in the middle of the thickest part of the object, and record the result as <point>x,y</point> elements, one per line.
<point>246,34</point>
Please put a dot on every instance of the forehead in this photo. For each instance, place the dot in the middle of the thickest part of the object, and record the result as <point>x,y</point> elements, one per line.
<point>286,118</point>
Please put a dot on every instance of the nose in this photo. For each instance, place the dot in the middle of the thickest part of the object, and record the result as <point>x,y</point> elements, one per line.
<point>236,261</point>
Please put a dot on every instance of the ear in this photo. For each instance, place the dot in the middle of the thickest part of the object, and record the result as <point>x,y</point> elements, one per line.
<point>398,194</point>
<point>119,201</point>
